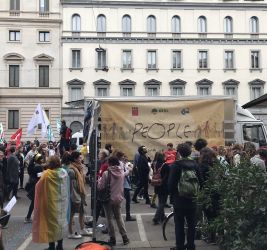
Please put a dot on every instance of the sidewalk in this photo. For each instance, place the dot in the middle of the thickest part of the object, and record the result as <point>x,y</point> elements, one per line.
<point>142,233</point>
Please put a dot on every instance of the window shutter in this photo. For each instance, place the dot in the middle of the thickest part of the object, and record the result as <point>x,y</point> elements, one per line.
<point>16,68</point>
<point>46,6</point>
<point>46,76</point>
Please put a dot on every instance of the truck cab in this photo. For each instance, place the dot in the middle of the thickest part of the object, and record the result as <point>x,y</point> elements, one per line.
<point>249,129</point>
<point>77,138</point>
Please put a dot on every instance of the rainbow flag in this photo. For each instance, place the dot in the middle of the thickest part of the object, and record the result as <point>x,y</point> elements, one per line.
<point>51,206</point>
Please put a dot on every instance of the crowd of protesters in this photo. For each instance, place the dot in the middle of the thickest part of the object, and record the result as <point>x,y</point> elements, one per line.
<point>197,157</point>
<point>59,170</point>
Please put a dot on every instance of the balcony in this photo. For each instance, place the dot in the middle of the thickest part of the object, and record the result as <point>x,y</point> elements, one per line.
<point>14,13</point>
<point>44,14</point>
<point>10,14</point>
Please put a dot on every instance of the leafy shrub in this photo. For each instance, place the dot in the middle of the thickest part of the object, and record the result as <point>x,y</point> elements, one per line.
<point>241,223</point>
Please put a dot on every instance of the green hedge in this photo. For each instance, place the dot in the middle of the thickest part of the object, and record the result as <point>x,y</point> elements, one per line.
<point>242,220</point>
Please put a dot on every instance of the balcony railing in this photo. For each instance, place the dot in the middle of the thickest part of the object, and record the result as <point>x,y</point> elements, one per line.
<point>44,14</point>
<point>29,14</point>
<point>14,12</point>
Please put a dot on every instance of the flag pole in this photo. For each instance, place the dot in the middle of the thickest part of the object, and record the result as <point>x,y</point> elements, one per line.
<point>95,186</point>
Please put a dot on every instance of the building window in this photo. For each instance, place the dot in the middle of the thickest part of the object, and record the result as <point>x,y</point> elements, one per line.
<point>152,87</point>
<point>177,90</point>
<point>102,91</point>
<point>127,91</point>
<point>151,25</point>
<point>126,59</point>
<point>256,88</point>
<point>202,26</point>
<point>101,25</point>
<point>101,59</point>
<point>46,112</point>
<point>228,59</point>
<point>75,88</point>
<point>43,6</point>
<point>230,87</point>
<point>13,75</point>
<point>204,90</point>
<point>14,5</point>
<point>230,90</point>
<point>228,26</point>
<point>204,87</point>
<point>76,58</point>
<point>76,23</point>
<point>176,59</point>
<point>75,93</point>
<point>13,61</point>
<point>126,25</point>
<point>43,75</point>
<point>127,87</point>
<point>176,25</point>
<point>44,36</point>
<point>13,119</point>
<point>256,92</point>
<point>255,60</point>
<point>203,59</point>
<point>102,87</point>
<point>14,35</point>
<point>254,25</point>
<point>177,87</point>
<point>77,127</point>
<point>152,91</point>
<point>151,59</point>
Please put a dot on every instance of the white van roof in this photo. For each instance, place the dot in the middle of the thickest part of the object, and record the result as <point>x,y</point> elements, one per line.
<point>77,135</point>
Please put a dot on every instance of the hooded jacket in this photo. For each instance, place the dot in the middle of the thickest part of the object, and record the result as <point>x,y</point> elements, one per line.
<point>117,176</point>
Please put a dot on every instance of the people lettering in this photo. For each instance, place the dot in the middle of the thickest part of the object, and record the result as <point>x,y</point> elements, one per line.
<point>157,131</point>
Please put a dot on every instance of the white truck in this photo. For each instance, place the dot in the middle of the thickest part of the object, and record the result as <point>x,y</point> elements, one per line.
<point>129,122</point>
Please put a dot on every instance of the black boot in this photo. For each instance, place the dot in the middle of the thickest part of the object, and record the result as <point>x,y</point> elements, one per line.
<point>125,239</point>
<point>130,218</point>
<point>112,241</point>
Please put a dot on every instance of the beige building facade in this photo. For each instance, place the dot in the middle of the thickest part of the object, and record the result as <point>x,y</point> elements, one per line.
<point>57,51</point>
<point>30,63</point>
<point>162,48</point>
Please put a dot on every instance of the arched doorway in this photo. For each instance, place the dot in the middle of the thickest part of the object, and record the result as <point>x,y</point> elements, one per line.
<point>76,127</point>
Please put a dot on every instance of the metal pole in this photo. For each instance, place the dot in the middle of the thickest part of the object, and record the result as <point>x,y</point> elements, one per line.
<point>95,186</point>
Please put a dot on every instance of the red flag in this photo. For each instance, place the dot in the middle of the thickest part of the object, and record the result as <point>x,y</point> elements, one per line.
<point>17,136</point>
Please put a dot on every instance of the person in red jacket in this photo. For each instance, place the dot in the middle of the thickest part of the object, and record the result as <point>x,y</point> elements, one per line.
<point>103,161</point>
<point>170,154</point>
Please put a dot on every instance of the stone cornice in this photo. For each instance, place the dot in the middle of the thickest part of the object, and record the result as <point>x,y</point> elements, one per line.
<point>29,20</point>
<point>147,40</point>
<point>204,81</point>
<point>169,4</point>
<point>152,82</point>
<point>75,82</point>
<point>29,92</point>
<point>257,82</point>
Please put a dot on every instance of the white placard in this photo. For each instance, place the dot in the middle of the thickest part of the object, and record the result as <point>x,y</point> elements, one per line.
<point>10,204</point>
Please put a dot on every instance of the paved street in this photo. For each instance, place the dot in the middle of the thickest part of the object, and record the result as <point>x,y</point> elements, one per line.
<point>142,233</point>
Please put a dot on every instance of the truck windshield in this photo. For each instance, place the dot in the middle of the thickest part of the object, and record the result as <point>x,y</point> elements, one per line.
<point>254,133</point>
<point>73,140</point>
